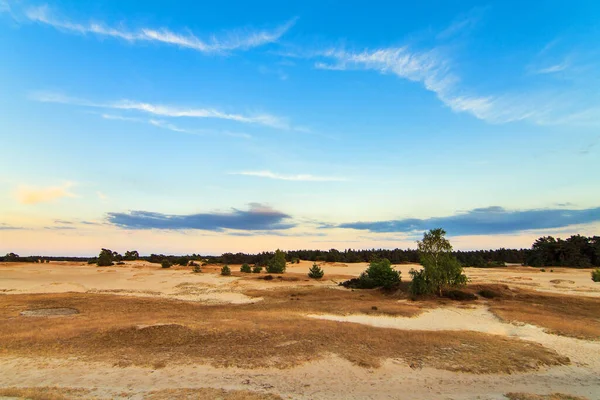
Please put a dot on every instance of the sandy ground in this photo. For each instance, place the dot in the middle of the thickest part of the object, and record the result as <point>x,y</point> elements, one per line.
<point>146,279</point>
<point>328,378</point>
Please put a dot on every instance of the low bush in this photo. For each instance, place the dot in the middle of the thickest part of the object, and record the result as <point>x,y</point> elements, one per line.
<point>419,284</point>
<point>542,270</point>
<point>379,274</point>
<point>596,275</point>
<point>315,272</point>
<point>488,293</point>
<point>256,269</point>
<point>460,295</point>
<point>196,268</point>
<point>120,263</point>
<point>268,277</point>
<point>245,268</point>
<point>166,264</point>
<point>226,271</point>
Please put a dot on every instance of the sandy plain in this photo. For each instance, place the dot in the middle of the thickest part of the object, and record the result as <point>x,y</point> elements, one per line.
<point>140,331</point>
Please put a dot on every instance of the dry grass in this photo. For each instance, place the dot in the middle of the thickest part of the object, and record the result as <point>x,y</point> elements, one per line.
<point>273,333</point>
<point>208,394</point>
<point>571,316</point>
<point>46,393</point>
<point>56,393</point>
<point>553,396</point>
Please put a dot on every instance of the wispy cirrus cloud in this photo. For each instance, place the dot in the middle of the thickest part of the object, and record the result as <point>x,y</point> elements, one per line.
<point>485,221</point>
<point>284,177</point>
<point>174,128</point>
<point>257,217</point>
<point>161,110</point>
<point>34,195</point>
<point>240,39</point>
<point>434,71</point>
<point>437,68</point>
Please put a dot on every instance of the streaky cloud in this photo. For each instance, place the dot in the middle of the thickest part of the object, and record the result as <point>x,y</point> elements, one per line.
<point>485,221</point>
<point>7,227</point>
<point>174,128</point>
<point>241,39</point>
<point>435,68</point>
<point>257,218</point>
<point>159,110</point>
<point>284,177</point>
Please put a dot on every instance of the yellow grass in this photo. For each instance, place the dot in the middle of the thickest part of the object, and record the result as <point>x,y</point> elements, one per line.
<point>273,333</point>
<point>553,396</point>
<point>572,316</point>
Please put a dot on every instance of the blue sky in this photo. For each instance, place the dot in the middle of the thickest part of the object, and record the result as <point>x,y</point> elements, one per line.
<point>236,126</point>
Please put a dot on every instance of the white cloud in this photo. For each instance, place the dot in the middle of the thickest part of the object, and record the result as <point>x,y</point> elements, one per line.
<point>34,195</point>
<point>283,177</point>
<point>171,127</point>
<point>434,70</point>
<point>101,196</point>
<point>239,39</point>
<point>163,110</point>
<point>553,68</point>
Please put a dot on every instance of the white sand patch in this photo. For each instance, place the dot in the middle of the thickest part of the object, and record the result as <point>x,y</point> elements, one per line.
<point>480,319</point>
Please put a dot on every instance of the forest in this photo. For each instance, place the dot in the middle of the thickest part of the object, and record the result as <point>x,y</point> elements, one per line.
<point>576,251</point>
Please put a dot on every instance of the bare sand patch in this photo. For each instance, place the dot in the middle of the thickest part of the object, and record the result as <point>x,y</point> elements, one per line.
<point>480,319</point>
<point>49,312</point>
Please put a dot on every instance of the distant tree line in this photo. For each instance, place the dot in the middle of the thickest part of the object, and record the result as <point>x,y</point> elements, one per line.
<point>576,251</point>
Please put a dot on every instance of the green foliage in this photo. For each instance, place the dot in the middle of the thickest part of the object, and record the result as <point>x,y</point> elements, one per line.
<point>440,268</point>
<point>196,268</point>
<point>90,261</point>
<point>131,255</point>
<point>245,268</point>
<point>596,275</point>
<point>11,257</point>
<point>256,269</point>
<point>543,270</point>
<point>576,251</point>
<point>379,274</point>
<point>225,271</point>
<point>420,283</point>
<point>105,258</point>
<point>382,274</point>
<point>166,263</point>
<point>276,264</point>
<point>315,272</point>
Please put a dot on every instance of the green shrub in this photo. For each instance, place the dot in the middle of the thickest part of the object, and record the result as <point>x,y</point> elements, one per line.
<point>226,271</point>
<point>276,264</point>
<point>420,284</point>
<point>382,274</point>
<point>315,272</point>
<point>542,270</point>
<point>379,274</point>
<point>104,260</point>
<point>596,275</point>
<point>196,268</point>
<point>245,268</point>
<point>166,263</point>
<point>256,269</point>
